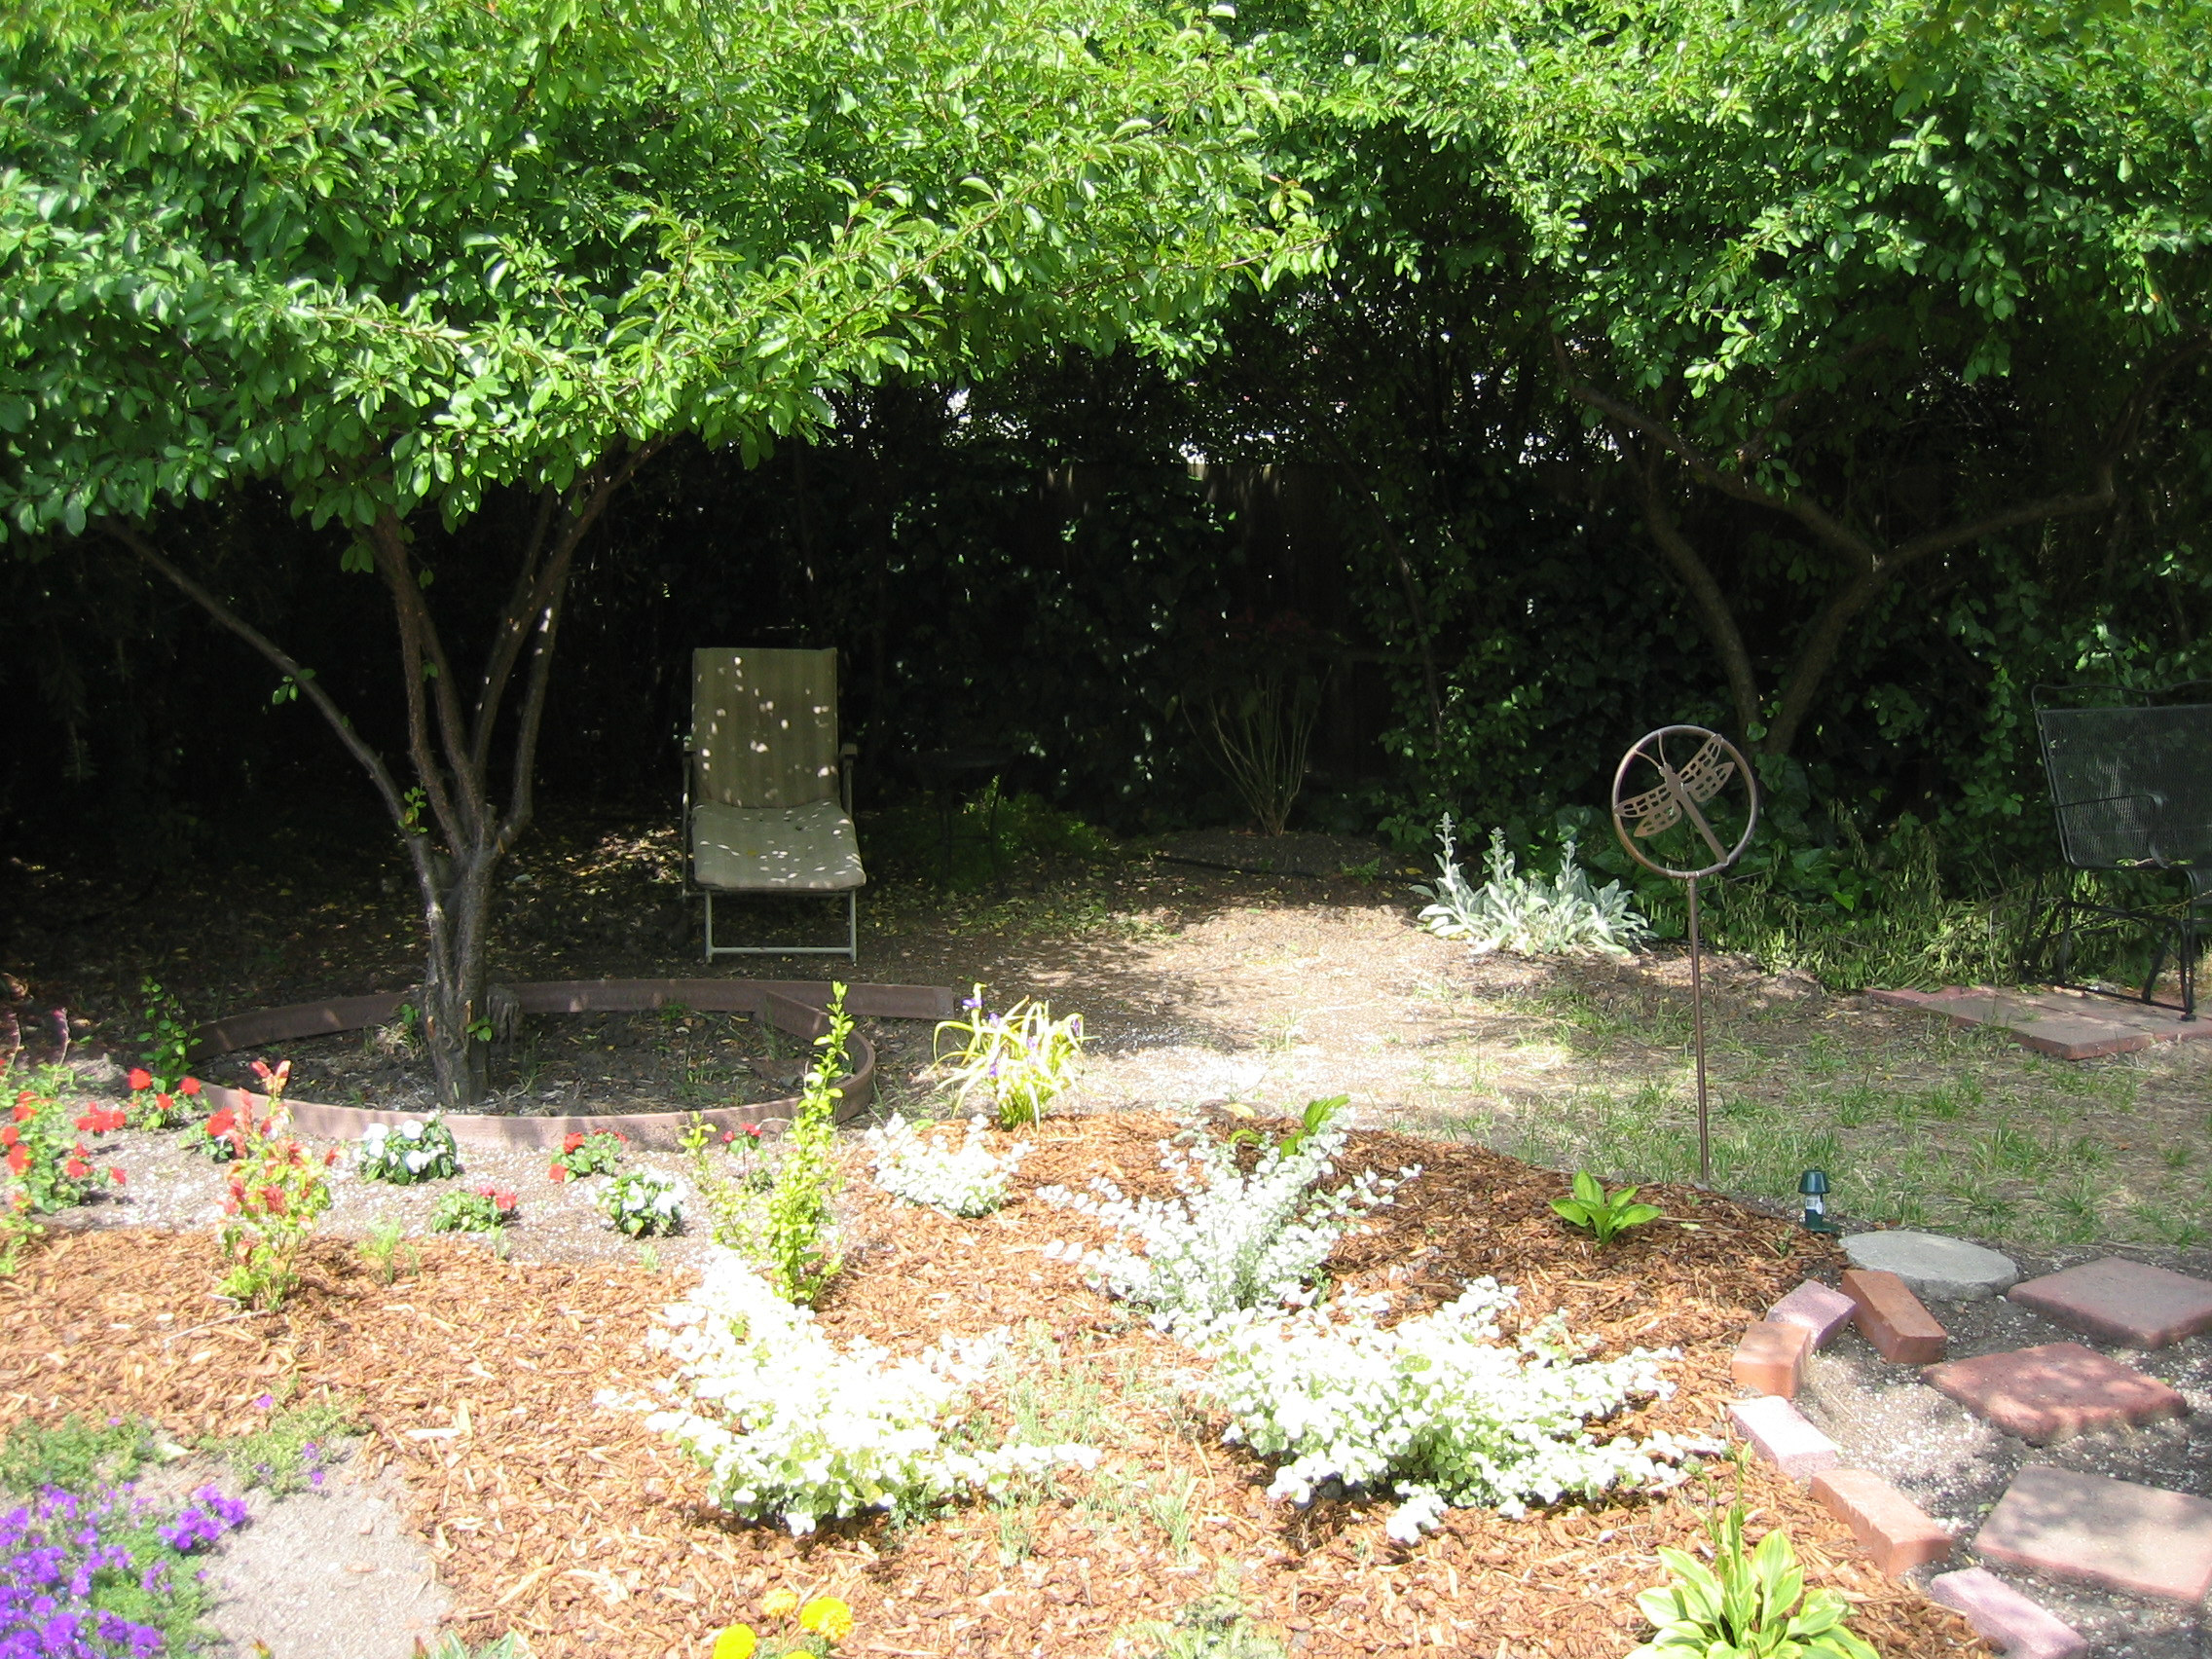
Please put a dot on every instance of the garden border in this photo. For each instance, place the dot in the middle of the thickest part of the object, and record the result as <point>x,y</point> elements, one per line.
<point>793,1006</point>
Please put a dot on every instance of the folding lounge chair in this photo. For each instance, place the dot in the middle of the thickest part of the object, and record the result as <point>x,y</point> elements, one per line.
<point>768,791</point>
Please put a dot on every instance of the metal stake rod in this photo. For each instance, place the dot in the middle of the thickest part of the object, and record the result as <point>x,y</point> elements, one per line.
<point>1697,1025</point>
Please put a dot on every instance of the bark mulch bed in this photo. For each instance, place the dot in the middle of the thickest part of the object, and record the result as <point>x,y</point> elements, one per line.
<point>569,1521</point>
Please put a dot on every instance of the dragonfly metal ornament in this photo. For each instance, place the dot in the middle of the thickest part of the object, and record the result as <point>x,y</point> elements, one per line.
<point>1690,792</point>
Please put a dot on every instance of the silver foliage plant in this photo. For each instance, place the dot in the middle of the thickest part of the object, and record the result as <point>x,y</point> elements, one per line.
<point>1435,1409</point>
<point>1228,1241</point>
<point>1530,915</point>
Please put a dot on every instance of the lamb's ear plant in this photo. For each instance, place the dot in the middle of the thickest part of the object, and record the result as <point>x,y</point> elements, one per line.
<point>1606,1216</point>
<point>1746,1606</point>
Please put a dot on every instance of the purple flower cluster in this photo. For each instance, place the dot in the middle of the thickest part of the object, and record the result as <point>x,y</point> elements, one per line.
<point>207,1518</point>
<point>64,1556</point>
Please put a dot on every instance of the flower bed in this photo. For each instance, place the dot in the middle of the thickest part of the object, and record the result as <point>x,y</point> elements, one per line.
<point>580,1526</point>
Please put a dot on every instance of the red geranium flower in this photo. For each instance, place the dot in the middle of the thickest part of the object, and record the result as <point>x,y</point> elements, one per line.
<point>76,1168</point>
<point>220,1123</point>
<point>559,1172</point>
<point>8,1136</point>
<point>116,1174</point>
<point>571,1142</point>
<point>140,1078</point>
<point>190,1086</point>
<point>23,1107</point>
<point>19,1159</point>
<point>166,1102</point>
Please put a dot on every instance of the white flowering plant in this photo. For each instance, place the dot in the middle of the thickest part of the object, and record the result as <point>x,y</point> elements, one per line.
<point>406,1153</point>
<point>1435,1409</point>
<point>642,1202</point>
<point>790,1427</point>
<point>1229,1240</point>
<point>923,1168</point>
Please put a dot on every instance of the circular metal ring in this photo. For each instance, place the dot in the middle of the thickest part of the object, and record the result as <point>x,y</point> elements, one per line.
<point>1682,794</point>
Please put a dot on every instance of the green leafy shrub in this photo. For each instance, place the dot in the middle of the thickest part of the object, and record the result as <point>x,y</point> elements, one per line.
<point>1606,1216</point>
<point>1745,1606</point>
<point>802,1249</point>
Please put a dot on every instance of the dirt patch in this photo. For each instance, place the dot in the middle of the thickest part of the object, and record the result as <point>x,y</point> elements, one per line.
<point>547,1512</point>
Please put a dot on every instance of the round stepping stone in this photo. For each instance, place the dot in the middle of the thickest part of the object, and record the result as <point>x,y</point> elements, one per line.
<point>2053,1392</point>
<point>1950,1269</point>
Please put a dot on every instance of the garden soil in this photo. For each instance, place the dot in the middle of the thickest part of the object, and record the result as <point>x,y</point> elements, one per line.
<point>542,1511</point>
<point>483,1386</point>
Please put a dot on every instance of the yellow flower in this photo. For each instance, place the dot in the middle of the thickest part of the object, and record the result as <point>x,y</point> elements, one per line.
<point>777,1603</point>
<point>828,1616</point>
<point>735,1643</point>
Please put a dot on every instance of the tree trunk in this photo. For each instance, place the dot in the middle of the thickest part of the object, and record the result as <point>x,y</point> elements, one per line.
<point>455,832</point>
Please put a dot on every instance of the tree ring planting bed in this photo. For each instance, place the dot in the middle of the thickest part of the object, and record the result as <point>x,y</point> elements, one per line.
<point>792,1006</point>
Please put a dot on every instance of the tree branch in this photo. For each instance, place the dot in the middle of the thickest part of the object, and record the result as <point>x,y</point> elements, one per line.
<point>1705,593</point>
<point>399,579</point>
<point>303,678</point>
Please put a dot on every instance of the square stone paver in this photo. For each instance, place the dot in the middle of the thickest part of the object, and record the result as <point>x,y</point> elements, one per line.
<point>2055,1391</point>
<point>2122,1301</point>
<point>2111,1533</point>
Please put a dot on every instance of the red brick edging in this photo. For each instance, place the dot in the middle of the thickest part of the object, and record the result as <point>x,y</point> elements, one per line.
<point>795,1005</point>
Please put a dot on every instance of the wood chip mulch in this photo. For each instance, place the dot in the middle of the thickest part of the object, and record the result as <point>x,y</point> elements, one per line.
<point>568,1521</point>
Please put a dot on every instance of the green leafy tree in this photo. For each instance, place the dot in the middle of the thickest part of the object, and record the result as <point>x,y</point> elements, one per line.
<point>417,261</point>
<point>1810,272</point>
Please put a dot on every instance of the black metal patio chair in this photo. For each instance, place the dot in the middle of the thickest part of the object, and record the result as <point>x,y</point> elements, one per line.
<point>2131,789</point>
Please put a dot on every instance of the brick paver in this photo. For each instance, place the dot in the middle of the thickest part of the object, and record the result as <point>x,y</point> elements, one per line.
<point>2122,1301</point>
<point>2055,1391</point>
<point>1892,1318</point>
<point>1816,1306</point>
<point>1894,1529</point>
<point>2115,1534</point>
<point>1779,1432</point>
<point>2000,1614</point>
<point>1770,1359</point>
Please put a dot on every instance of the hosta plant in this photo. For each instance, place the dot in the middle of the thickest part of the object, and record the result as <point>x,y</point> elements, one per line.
<point>790,1427</point>
<point>1746,1606</point>
<point>1607,1215</point>
<point>1529,915</point>
<point>1227,1240</point>
<point>967,1179</point>
<point>642,1202</point>
<point>407,1153</point>
<point>1435,1409</point>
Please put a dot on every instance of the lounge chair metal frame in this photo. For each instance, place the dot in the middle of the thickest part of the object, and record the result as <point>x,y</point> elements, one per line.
<point>694,756</point>
<point>2131,790</point>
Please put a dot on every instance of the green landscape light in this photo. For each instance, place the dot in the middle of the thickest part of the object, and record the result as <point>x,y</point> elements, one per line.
<point>1813,1185</point>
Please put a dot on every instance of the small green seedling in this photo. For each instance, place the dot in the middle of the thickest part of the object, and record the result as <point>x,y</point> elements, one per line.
<point>1606,1216</point>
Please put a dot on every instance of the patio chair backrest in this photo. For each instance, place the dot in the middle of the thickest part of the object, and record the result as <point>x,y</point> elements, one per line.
<point>2130,786</point>
<point>764,726</point>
